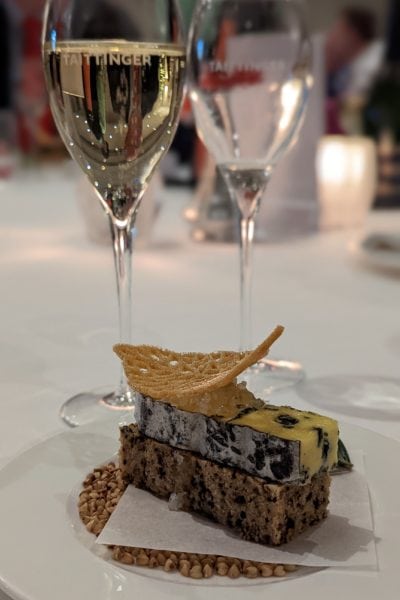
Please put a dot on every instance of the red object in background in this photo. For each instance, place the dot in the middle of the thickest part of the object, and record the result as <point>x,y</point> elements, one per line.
<point>32,97</point>
<point>186,107</point>
<point>332,125</point>
<point>7,163</point>
<point>32,32</point>
<point>47,124</point>
<point>219,80</point>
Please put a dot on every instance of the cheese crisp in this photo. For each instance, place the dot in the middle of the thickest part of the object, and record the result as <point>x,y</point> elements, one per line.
<point>174,376</point>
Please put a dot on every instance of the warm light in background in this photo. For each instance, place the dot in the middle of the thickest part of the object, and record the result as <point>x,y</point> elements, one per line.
<point>291,94</point>
<point>346,172</point>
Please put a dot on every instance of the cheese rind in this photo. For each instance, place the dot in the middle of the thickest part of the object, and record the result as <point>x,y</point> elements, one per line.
<point>274,452</point>
<point>318,435</point>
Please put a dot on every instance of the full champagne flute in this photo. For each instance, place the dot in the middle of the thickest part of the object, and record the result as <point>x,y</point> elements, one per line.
<point>249,78</point>
<point>115,73</point>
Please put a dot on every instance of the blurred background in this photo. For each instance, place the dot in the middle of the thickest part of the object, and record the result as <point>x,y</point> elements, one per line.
<point>356,93</point>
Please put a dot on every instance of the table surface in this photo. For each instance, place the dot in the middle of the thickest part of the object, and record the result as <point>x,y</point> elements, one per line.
<point>59,310</point>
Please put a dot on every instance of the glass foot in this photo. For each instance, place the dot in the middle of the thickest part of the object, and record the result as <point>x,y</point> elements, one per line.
<point>365,396</point>
<point>90,406</point>
<point>269,375</point>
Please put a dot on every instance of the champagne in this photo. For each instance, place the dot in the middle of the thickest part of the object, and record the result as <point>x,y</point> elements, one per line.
<point>116,105</point>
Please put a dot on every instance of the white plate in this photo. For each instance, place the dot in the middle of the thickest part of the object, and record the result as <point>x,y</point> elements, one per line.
<point>42,557</point>
<point>378,251</point>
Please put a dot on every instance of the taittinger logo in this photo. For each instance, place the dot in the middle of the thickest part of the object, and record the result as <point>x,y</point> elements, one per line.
<point>107,59</point>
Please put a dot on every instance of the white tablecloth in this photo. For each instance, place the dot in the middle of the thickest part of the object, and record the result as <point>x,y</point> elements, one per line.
<point>58,304</point>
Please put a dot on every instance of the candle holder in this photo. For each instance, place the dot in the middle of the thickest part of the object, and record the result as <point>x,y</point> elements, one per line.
<point>346,174</point>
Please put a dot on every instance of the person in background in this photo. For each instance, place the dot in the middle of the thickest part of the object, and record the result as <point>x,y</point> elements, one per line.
<point>10,61</point>
<point>353,57</point>
<point>9,72</point>
<point>36,129</point>
<point>5,49</point>
<point>353,53</point>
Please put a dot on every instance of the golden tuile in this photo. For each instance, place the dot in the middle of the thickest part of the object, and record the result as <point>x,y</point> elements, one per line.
<point>167,375</point>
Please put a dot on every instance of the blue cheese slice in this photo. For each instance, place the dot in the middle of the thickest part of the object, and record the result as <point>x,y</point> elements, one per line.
<point>276,443</point>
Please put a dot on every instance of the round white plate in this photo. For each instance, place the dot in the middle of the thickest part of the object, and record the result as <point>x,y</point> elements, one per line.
<point>378,251</point>
<point>43,558</point>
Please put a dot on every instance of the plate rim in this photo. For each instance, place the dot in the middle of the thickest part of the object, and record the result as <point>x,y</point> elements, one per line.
<point>14,590</point>
<point>377,260</point>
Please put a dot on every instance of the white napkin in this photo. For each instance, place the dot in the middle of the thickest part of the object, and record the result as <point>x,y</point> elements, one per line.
<point>344,539</point>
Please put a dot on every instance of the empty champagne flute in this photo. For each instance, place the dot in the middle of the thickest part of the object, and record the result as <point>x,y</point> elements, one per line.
<point>249,78</point>
<point>115,72</point>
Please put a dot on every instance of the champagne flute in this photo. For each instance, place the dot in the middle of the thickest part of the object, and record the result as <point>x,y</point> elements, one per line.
<point>115,72</point>
<point>249,80</point>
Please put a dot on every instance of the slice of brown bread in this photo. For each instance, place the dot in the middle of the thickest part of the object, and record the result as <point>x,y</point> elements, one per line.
<point>265,513</point>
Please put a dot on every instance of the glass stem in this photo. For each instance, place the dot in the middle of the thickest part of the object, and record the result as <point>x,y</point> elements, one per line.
<point>122,245</point>
<point>246,187</point>
<point>246,271</point>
